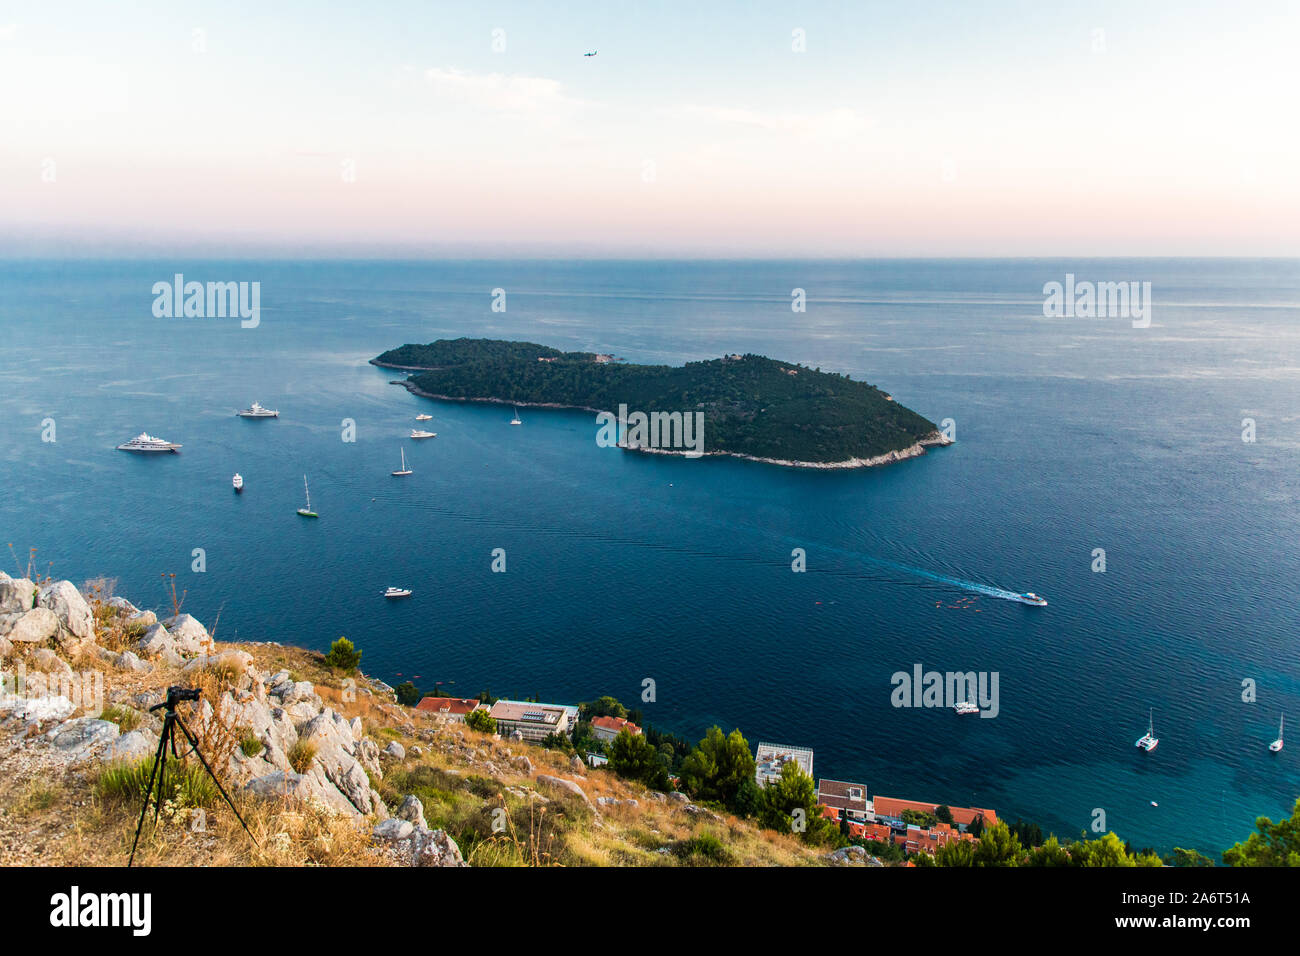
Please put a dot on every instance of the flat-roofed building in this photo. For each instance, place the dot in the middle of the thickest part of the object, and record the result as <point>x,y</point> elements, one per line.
<point>771,758</point>
<point>849,800</point>
<point>533,721</point>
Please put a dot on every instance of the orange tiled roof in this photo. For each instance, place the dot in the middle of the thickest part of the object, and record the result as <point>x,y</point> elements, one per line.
<point>615,724</point>
<point>893,807</point>
<point>447,705</point>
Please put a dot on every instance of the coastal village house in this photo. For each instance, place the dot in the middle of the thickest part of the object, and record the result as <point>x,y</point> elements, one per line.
<point>770,758</point>
<point>607,728</point>
<point>848,800</point>
<point>533,721</point>
<point>455,708</point>
<point>890,810</point>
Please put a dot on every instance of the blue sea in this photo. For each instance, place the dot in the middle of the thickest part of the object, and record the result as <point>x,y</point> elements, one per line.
<point>1072,435</point>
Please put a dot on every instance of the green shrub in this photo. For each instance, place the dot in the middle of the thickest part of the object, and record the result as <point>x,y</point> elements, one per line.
<point>126,718</point>
<point>343,655</point>
<point>187,784</point>
<point>249,742</point>
<point>703,849</point>
<point>481,721</point>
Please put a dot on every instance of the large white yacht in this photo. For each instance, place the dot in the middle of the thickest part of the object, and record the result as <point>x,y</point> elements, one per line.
<point>420,433</point>
<point>148,444</point>
<point>257,411</point>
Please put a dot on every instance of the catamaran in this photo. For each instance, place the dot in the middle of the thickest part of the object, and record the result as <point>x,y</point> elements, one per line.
<point>397,593</point>
<point>418,433</point>
<point>307,512</point>
<point>1276,745</point>
<point>148,444</point>
<point>405,470</point>
<point>515,420</point>
<point>238,482</point>
<point>257,411</point>
<point>1148,741</point>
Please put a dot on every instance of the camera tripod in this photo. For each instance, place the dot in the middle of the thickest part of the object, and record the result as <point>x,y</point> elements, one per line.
<point>171,721</point>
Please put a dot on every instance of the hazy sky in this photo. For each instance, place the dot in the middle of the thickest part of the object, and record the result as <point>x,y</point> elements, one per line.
<point>915,128</point>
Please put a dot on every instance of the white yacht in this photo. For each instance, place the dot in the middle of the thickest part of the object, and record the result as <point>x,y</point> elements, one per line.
<point>418,433</point>
<point>1029,597</point>
<point>966,707</point>
<point>515,420</point>
<point>397,593</point>
<point>1276,746</point>
<point>405,470</point>
<point>238,483</point>
<point>1148,741</point>
<point>148,444</point>
<point>423,418</point>
<point>257,411</point>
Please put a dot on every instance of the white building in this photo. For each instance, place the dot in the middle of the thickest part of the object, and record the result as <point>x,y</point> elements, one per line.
<point>770,758</point>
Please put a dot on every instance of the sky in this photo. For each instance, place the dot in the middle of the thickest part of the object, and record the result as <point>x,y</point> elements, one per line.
<point>711,129</point>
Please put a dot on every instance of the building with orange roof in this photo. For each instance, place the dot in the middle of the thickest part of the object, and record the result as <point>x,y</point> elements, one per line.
<point>607,728</point>
<point>454,707</point>
<point>891,809</point>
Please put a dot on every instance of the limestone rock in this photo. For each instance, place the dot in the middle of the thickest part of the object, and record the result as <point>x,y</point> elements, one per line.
<point>413,810</point>
<point>559,783</point>
<point>35,627</point>
<point>16,595</point>
<point>131,747</point>
<point>71,609</point>
<point>83,736</point>
<point>189,635</point>
<point>395,750</point>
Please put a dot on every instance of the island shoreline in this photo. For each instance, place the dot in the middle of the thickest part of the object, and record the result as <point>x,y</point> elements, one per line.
<point>933,440</point>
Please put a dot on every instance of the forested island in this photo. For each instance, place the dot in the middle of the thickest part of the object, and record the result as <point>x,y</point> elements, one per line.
<point>753,406</point>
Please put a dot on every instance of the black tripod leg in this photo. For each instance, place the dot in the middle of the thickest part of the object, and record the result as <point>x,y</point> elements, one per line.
<point>222,790</point>
<point>144,811</point>
<point>169,734</point>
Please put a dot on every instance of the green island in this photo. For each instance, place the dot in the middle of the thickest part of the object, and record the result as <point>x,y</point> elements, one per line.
<point>753,406</point>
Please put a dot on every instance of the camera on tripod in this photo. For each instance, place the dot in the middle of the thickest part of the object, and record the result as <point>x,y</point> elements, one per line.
<point>177,694</point>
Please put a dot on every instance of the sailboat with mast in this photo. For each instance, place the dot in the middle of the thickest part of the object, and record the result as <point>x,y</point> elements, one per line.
<point>307,512</point>
<point>405,471</point>
<point>1276,746</point>
<point>515,420</point>
<point>1148,741</point>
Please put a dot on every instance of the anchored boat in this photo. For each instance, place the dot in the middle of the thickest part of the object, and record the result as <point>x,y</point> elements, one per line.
<point>257,411</point>
<point>1148,741</point>
<point>146,444</point>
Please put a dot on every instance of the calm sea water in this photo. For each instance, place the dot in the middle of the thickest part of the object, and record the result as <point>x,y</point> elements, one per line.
<point>1073,434</point>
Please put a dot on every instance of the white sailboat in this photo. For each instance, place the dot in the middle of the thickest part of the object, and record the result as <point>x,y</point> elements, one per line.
<point>515,420</point>
<point>405,470</point>
<point>1276,746</point>
<point>1148,741</point>
<point>307,512</point>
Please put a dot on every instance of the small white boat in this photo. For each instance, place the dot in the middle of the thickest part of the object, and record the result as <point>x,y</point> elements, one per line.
<point>966,707</point>
<point>307,512</point>
<point>405,470</point>
<point>1276,746</point>
<point>418,433</point>
<point>423,418</point>
<point>515,420</point>
<point>1029,597</point>
<point>144,443</point>
<point>257,411</point>
<point>397,593</point>
<point>1154,804</point>
<point>1148,741</point>
<point>238,483</point>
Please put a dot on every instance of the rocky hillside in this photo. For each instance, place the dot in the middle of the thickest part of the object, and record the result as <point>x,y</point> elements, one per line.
<point>325,767</point>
